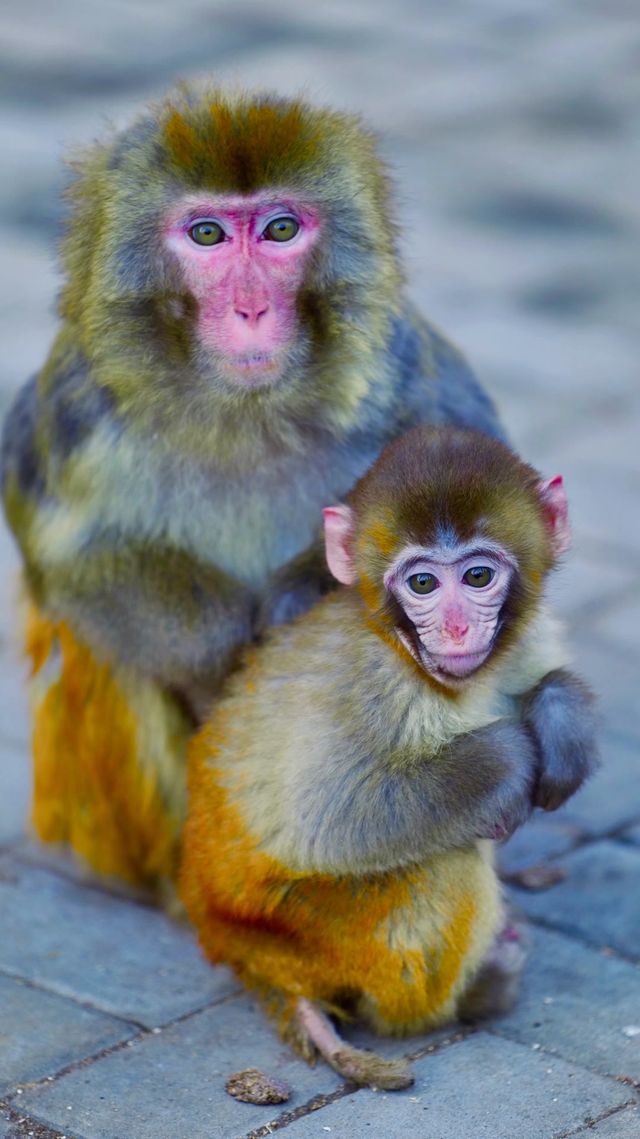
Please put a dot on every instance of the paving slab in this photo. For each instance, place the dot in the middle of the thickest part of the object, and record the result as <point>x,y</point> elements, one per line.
<point>605,803</point>
<point>40,1033</point>
<point>599,901</point>
<point>122,958</point>
<point>485,1088</point>
<point>621,623</point>
<point>15,779</point>
<point>545,836</point>
<point>624,1124</point>
<point>577,1003</point>
<point>173,1083</point>
<point>612,673</point>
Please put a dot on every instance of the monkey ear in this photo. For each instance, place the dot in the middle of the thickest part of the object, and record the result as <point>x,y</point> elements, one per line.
<point>338,539</point>
<point>556,513</point>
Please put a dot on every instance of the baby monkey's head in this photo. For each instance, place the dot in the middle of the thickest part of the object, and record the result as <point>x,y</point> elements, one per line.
<point>448,539</point>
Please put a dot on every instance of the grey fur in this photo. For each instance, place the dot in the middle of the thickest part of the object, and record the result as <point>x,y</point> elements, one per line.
<point>227,603</point>
<point>561,717</point>
<point>380,815</point>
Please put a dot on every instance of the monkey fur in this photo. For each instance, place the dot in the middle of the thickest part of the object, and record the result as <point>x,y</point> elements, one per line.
<point>340,795</point>
<point>166,514</point>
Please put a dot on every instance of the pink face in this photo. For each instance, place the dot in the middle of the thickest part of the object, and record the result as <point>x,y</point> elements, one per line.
<point>243,260</point>
<point>452,594</point>
<point>453,600</point>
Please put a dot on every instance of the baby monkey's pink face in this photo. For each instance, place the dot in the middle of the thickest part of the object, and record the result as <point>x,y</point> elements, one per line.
<point>453,599</point>
<point>243,260</point>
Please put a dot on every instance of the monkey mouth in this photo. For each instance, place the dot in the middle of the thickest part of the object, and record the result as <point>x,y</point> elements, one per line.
<point>254,370</point>
<point>255,360</point>
<point>458,666</point>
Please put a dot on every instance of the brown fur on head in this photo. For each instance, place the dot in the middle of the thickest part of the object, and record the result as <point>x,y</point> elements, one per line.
<point>125,294</point>
<point>441,486</point>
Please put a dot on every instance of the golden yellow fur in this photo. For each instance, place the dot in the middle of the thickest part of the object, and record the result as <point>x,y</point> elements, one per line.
<point>396,940</point>
<point>103,763</point>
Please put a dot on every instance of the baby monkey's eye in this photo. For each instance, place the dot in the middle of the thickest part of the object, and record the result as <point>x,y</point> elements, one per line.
<point>281,229</point>
<point>206,233</point>
<point>478,576</point>
<point>422,582</point>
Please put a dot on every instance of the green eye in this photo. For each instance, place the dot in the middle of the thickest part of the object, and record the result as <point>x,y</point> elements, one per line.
<point>479,576</point>
<point>206,233</point>
<point>422,582</point>
<point>281,229</point>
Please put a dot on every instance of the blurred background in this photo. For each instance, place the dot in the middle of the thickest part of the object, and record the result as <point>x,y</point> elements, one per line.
<point>512,127</point>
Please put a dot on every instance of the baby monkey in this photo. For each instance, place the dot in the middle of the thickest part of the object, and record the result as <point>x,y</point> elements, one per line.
<point>342,792</point>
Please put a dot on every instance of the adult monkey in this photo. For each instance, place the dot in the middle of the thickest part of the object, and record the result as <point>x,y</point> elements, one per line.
<point>236,349</point>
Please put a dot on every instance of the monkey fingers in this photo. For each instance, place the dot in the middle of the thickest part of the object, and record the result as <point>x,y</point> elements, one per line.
<point>364,1068</point>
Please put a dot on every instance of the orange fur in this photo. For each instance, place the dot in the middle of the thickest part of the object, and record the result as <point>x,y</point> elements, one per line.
<point>90,785</point>
<point>397,949</point>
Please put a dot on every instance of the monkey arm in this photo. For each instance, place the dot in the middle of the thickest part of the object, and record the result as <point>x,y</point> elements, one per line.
<point>378,815</point>
<point>559,712</point>
<point>155,609</point>
<point>556,707</point>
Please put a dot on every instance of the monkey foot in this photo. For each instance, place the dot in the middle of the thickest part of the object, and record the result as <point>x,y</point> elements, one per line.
<point>495,987</point>
<point>364,1068</point>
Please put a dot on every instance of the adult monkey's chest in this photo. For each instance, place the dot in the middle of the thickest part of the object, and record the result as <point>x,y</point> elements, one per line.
<point>250,522</point>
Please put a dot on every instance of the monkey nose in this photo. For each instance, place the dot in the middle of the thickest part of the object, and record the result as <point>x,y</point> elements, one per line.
<point>456,631</point>
<point>251,311</point>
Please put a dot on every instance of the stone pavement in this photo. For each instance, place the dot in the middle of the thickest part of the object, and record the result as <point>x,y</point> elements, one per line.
<point>513,129</point>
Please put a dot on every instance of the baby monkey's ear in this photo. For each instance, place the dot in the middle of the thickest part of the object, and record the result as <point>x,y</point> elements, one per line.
<point>339,535</point>
<point>556,512</point>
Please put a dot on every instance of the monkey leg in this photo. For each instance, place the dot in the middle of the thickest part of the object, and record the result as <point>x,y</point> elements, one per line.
<point>495,987</point>
<point>109,767</point>
<point>313,1031</point>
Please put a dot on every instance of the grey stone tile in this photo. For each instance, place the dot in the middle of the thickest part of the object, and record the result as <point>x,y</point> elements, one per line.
<point>624,1124</point>
<point>606,802</point>
<point>120,957</point>
<point>621,626</point>
<point>577,1002</point>
<point>173,1083</point>
<point>15,774</point>
<point>599,901</point>
<point>483,1088</point>
<point>612,673</point>
<point>14,722</point>
<point>590,579</point>
<point>40,1033</point>
<point>544,836</point>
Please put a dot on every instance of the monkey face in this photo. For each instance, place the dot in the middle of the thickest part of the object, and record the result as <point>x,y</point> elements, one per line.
<point>449,540</point>
<point>243,259</point>
<point>452,599</point>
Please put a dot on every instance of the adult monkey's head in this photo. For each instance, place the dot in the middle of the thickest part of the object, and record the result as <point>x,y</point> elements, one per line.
<point>244,245</point>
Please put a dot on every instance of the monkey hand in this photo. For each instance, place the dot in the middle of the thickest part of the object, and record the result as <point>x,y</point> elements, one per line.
<point>559,713</point>
<point>496,773</point>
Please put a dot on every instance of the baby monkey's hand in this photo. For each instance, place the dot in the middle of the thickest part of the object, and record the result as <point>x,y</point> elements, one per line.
<point>559,713</point>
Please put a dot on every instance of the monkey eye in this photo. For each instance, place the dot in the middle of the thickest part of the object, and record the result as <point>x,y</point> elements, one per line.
<point>281,229</point>
<point>479,576</point>
<point>422,583</point>
<point>206,233</point>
